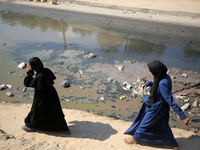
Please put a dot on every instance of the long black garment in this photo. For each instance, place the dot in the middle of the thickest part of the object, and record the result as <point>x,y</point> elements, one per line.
<point>46,113</point>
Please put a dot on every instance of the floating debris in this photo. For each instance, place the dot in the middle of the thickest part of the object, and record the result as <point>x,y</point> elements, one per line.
<point>22,65</point>
<point>90,55</point>
<point>65,83</point>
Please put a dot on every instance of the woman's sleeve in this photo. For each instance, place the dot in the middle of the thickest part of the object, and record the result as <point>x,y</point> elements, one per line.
<point>166,94</point>
<point>29,81</point>
<point>149,83</point>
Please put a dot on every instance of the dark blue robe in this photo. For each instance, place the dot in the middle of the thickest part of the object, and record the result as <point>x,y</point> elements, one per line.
<point>152,123</point>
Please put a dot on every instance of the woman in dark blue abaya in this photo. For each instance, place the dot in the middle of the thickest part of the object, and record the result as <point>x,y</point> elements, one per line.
<point>152,122</point>
<point>46,113</point>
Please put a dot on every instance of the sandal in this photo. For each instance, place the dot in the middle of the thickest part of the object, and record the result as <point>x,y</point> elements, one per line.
<point>27,129</point>
<point>172,147</point>
<point>130,140</point>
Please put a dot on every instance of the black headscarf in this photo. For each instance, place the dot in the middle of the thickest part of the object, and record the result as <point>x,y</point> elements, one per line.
<point>37,65</point>
<point>159,70</point>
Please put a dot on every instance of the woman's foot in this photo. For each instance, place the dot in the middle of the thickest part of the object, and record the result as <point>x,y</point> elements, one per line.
<point>172,147</point>
<point>130,140</point>
<point>27,129</point>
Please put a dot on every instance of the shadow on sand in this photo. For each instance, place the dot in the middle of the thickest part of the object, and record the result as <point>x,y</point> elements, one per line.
<point>86,129</point>
<point>190,143</point>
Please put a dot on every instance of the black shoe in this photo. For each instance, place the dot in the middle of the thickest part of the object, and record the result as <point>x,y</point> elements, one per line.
<point>27,129</point>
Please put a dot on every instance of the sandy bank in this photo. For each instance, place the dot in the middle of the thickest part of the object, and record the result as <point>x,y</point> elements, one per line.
<point>174,12</point>
<point>88,132</point>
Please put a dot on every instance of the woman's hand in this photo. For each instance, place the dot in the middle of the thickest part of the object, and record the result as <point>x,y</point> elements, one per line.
<point>29,67</point>
<point>186,121</point>
<point>143,86</point>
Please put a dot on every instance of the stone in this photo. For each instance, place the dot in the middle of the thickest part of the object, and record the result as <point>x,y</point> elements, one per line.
<point>185,106</point>
<point>195,104</point>
<point>22,65</point>
<point>186,100</point>
<point>180,97</point>
<point>9,94</point>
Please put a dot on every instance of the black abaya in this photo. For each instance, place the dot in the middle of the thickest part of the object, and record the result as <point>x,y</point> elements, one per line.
<point>46,113</point>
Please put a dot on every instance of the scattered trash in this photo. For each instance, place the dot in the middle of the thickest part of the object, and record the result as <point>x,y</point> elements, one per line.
<point>126,86</point>
<point>22,65</point>
<point>185,106</point>
<point>184,75</point>
<point>90,55</point>
<point>3,87</point>
<point>141,80</point>
<point>65,83</point>
<point>9,94</point>
<point>120,67</point>
<point>122,97</point>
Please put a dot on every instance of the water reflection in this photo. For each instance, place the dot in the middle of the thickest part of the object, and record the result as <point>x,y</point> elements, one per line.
<point>95,38</point>
<point>144,48</point>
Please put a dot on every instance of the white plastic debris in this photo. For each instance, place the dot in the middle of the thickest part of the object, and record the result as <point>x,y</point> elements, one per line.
<point>185,106</point>
<point>22,65</point>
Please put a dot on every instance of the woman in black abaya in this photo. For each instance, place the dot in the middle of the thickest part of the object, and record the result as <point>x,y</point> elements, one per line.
<point>46,113</point>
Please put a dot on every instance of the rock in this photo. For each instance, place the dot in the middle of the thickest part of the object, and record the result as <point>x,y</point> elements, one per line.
<point>186,100</point>
<point>185,106</point>
<point>3,86</point>
<point>90,55</point>
<point>119,67</point>
<point>141,80</point>
<point>65,83</point>
<point>180,97</point>
<point>110,79</point>
<point>184,75</point>
<point>22,65</point>
<point>195,104</point>
<point>9,94</point>
<point>112,106</point>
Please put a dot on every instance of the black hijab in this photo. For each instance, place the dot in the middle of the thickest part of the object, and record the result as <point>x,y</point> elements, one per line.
<point>37,65</point>
<point>159,70</point>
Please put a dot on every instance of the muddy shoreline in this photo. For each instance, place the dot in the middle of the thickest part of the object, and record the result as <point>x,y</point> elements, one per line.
<point>93,83</point>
